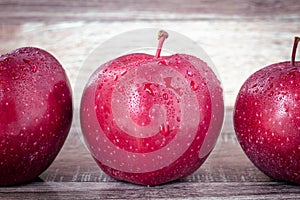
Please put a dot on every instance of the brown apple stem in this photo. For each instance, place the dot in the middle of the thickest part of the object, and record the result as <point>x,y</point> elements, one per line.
<point>162,35</point>
<point>296,41</point>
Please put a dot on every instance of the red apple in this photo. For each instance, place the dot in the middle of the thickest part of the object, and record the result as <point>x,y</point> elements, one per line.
<point>267,119</point>
<point>35,113</point>
<point>152,119</point>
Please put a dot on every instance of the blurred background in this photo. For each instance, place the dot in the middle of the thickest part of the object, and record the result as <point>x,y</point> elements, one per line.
<point>239,36</point>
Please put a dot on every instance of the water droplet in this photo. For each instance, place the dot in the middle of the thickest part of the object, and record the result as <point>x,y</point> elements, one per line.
<point>170,103</point>
<point>24,68</point>
<point>164,129</point>
<point>100,86</point>
<point>163,62</point>
<point>6,59</point>
<point>165,96</point>
<point>270,78</point>
<point>106,110</point>
<point>271,93</point>
<point>15,77</point>
<point>270,86</point>
<point>115,172</point>
<point>6,89</point>
<point>26,60</point>
<point>189,73</point>
<point>178,61</point>
<point>34,69</point>
<point>293,72</point>
<point>115,77</point>
<point>148,89</point>
<point>254,85</point>
<point>123,73</point>
<point>194,85</point>
<point>2,68</point>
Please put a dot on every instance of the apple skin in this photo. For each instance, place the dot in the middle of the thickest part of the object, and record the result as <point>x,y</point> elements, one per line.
<point>35,113</point>
<point>150,120</point>
<point>267,120</point>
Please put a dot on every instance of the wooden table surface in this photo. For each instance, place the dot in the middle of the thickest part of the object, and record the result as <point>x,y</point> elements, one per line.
<point>239,36</point>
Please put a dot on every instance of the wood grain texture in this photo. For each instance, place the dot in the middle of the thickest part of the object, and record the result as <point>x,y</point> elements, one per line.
<point>18,11</point>
<point>239,36</point>
<point>174,190</point>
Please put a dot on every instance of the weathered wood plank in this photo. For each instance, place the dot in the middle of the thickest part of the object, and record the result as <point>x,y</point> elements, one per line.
<point>18,11</point>
<point>182,190</point>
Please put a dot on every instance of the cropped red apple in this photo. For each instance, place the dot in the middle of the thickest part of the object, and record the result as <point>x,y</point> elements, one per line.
<point>152,119</point>
<point>35,113</point>
<point>267,119</point>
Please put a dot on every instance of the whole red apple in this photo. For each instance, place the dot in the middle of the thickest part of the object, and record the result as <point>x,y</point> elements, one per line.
<point>152,119</point>
<point>35,113</point>
<point>267,119</point>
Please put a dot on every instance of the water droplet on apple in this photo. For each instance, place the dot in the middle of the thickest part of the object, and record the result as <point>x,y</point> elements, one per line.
<point>270,86</point>
<point>2,68</point>
<point>194,85</point>
<point>115,172</point>
<point>115,77</point>
<point>148,89</point>
<point>6,59</point>
<point>189,73</point>
<point>15,77</point>
<point>106,109</point>
<point>163,62</point>
<point>100,86</point>
<point>123,73</point>
<point>169,103</point>
<point>24,68</point>
<point>165,96</point>
<point>6,89</point>
<point>271,93</point>
<point>33,69</point>
<point>293,72</point>
<point>270,78</point>
<point>254,85</point>
<point>26,60</point>
<point>164,129</point>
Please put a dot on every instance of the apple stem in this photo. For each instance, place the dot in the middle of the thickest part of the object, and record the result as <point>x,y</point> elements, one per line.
<point>296,41</point>
<point>162,35</point>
